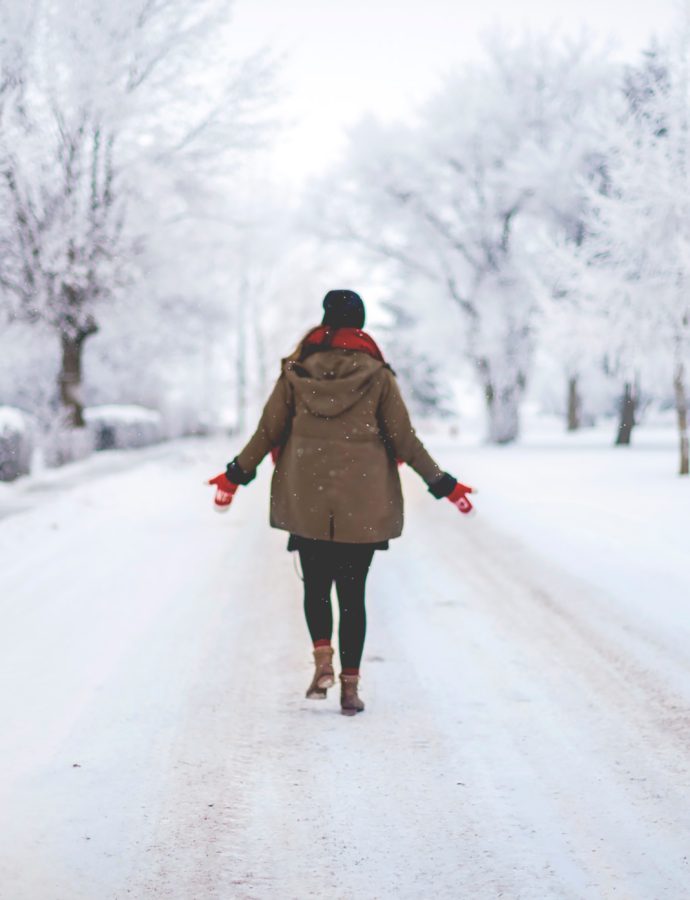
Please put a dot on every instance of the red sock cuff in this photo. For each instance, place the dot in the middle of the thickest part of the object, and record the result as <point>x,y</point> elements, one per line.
<point>323,642</point>
<point>350,671</point>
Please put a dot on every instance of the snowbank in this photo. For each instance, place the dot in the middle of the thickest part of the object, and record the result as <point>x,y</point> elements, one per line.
<point>61,446</point>
<point>16,444</point>
<point>123,427</point>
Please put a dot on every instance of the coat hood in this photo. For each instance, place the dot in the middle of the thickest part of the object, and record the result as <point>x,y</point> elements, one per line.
<point>331,382</point>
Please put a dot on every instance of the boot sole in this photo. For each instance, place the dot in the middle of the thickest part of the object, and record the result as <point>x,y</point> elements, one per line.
<point>346,711</point>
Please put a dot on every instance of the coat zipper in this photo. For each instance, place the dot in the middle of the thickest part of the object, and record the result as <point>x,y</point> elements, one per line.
<point>331,525</point>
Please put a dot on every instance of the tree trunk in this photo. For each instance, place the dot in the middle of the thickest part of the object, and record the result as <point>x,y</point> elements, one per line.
<point>503,407</point>
<point>682,411</point>
<point>626,421</point>
<point>70,380</point>
<point>260,345</point>
<point>574,404</point>
<point>241,359</point>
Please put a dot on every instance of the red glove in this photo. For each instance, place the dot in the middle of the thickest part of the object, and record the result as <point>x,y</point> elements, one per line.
<point>458,497</point>
<point>225,491</point>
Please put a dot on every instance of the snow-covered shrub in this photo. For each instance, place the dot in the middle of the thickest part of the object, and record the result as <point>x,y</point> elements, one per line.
<point>184,420</point>
<point>123,427</point>
<point>16,444</point>
<point>62,444</point>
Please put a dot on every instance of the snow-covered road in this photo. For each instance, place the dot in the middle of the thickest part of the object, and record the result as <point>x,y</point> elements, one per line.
<point>524,737</point>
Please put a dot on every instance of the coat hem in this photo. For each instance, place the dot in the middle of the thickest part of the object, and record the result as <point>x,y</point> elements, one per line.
<point>297,542</point>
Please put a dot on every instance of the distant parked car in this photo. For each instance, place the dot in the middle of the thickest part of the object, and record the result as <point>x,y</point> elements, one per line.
<point>16,443</point>
<point>116,427</point>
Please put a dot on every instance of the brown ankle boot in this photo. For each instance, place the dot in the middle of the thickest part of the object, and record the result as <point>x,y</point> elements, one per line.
<point>350,703</point>
<point>324,676</point>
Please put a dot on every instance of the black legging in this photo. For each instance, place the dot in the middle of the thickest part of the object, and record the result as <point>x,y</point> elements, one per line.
<point>347,565</point>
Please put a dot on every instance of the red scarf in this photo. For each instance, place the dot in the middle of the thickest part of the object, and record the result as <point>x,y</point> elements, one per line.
<point>343,339</point>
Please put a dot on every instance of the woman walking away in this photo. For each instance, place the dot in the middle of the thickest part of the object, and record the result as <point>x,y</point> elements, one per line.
<point>337,427</point>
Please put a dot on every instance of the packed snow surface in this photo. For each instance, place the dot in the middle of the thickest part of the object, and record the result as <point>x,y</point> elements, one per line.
<point>526,674</point>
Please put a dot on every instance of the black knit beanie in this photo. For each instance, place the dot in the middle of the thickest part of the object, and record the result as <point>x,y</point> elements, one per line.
<point>343,309</point>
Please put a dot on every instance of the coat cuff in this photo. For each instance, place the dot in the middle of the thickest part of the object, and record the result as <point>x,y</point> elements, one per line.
<point>234,473</point>
<point>443,486</point>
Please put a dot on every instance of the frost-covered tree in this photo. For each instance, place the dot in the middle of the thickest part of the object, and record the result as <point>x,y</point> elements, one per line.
<point>419,366</point>
<point>643,226</point>
<point>460,196</point>
<point>119,122</point>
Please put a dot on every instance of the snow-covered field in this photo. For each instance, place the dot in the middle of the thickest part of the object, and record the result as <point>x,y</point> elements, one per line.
<point>527,680</point>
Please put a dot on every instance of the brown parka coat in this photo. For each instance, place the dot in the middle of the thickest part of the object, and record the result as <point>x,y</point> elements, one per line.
<point>342,424</point>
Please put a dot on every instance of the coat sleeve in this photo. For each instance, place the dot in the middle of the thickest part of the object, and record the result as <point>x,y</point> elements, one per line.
<point>272,429</point>
<point>399,434</point>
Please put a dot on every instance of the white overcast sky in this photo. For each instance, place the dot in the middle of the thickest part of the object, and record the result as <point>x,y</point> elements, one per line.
<point>345,58</point>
